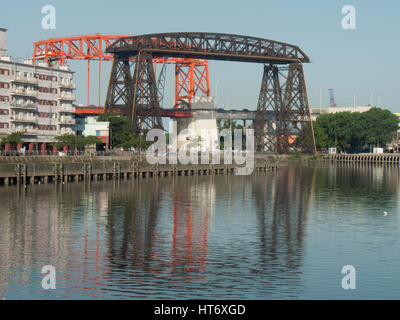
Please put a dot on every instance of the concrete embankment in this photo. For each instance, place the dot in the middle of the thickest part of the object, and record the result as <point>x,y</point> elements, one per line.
<point>365,158</point>
<point>48,169</point>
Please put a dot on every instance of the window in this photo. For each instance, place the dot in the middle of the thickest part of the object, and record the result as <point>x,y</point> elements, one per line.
<point>5,72</point>
<point>47,103</point>
<point>46,77</point>
<point>47,127</point>
<point>47,90</point>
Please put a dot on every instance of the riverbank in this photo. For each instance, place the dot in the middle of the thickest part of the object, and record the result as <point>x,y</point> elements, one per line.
<point>357,158</point>
<point>55,169</point>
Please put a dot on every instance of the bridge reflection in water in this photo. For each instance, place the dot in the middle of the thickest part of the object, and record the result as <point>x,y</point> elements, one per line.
<point>206,236</point>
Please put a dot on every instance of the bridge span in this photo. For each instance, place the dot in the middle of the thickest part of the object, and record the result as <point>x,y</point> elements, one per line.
<point>219,113</point>
<point>282,110</point>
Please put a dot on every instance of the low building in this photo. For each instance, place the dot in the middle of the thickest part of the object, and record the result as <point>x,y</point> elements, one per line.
<point>86,124</point>
<point>35,100</point>
<point>315,112</point>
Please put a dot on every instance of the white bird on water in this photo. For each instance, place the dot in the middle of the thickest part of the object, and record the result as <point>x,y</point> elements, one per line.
<point>385,213</point>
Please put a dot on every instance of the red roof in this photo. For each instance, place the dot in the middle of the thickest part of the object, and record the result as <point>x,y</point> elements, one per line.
<point>90,110</point>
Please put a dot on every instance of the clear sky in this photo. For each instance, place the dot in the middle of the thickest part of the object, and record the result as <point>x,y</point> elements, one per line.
<point>360,62</point>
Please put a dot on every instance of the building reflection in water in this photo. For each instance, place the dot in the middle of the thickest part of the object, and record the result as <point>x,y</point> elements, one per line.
<point>163,228</point>
<point>114,235</point>
<point>190,226</point>
<point>149,237</point>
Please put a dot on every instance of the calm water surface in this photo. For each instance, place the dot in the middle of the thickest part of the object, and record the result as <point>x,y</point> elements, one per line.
<point>284,234</point>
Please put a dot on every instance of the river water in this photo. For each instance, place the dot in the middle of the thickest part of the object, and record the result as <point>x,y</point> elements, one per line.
<point>274,235</point>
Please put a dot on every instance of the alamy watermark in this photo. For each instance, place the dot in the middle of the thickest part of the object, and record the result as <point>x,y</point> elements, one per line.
<point>349,280</point>
<point>349,18</point>
<point>194,147</point>
<point>49,19</point>
<point>49,280</point>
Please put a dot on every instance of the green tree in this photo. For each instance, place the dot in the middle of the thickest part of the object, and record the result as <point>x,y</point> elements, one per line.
<point>322,140</point>
<point>91,140</point>
<point>70,140</point>
<point>75,142</point>
<point>13,139</point>
<point>121,131</point>
<point>351,131</point>
<point>226,124</point>
<point>383,125</point>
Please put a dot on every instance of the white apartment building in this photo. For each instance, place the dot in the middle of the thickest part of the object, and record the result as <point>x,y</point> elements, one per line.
<point>35,99</point>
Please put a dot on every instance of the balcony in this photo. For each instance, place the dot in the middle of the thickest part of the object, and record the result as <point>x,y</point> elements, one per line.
<point>24,92</point>
<point>67,96</point>
<point>67,122</point>
<point>66,108</point>
<point>26,131</point>
<point>68,85</point>
<point>46,132</point>
<point>20,118</point>
<point>24,106</point>
<point>23,79</point>
<point>65,131</point>
<point>30,132</point>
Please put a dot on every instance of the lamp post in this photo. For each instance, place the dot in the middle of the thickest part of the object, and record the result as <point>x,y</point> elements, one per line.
<point>110,138</point>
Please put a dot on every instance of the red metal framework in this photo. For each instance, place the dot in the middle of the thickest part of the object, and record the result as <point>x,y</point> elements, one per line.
<point>165,113</point>
<point>55,52</point>
<point>87,47</point>
<point>191,79</point>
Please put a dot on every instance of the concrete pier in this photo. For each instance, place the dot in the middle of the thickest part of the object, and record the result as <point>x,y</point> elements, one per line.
<point>64,170</point>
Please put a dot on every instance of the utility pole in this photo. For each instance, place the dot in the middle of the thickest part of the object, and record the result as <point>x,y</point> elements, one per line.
<point>320,100</point>
<point>231,118</point>
<point>216,94</point>
<point>232,136</point>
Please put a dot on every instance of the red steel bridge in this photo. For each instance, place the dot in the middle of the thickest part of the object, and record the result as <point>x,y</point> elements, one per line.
<point>136,91</point>
<point>191,75</point>
<point>283,109</point>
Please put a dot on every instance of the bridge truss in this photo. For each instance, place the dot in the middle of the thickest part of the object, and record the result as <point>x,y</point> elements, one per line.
<point>133,91</point>
<point>57,51</point>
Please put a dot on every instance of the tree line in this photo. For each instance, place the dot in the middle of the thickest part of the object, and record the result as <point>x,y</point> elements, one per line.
<point>121,132</point>
<point>72,141</point>
<point>355,131</point>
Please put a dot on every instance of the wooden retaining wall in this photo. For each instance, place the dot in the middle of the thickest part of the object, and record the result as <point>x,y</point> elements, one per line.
<point>375,159</point>
<point>36,172</point>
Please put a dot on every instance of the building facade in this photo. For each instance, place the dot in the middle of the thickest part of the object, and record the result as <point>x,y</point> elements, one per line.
<point>35,100</point>
<point>315,112</point>
<point>86,124</point>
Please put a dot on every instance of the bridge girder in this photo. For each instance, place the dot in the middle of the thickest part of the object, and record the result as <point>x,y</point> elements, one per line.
<point>283,97</point>
<point>210,46</point>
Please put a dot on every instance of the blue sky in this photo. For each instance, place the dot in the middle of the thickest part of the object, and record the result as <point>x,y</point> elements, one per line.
<point>361,61</point>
